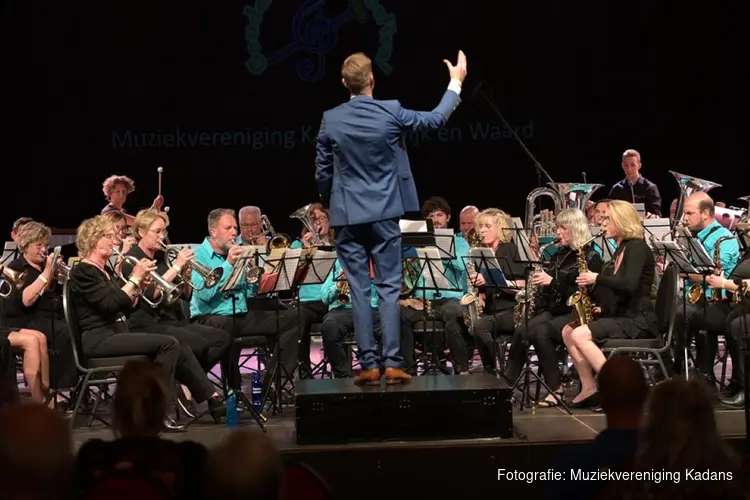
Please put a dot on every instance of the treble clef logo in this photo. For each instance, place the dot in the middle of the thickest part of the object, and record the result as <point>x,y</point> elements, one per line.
<point>314,34</point>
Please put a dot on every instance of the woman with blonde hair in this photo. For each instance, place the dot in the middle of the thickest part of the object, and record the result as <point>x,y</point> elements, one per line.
<point>494,228</point>
<point>116,189</point>
<point>622,296</point>
<point>554,282</point>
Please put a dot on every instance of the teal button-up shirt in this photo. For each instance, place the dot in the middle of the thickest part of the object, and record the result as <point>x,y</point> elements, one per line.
<point>455,271</point>
<point>729,250</point>
<point>308,293</point>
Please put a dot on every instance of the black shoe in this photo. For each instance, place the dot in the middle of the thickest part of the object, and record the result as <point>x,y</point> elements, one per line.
<point>736,401</point>
<point>216,408</point>
<point>590,402</point>
<point>171,426</point>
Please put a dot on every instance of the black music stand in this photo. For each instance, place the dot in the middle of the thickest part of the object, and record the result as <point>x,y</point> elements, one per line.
<point>313,269</point>
<point>433,277</point>
<point>744,305</point>
<point>271,284</point>
<point>685,265</point>
<point>523,382</point>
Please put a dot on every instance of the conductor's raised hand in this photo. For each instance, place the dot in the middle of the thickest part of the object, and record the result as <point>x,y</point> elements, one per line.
<point>457,72</point>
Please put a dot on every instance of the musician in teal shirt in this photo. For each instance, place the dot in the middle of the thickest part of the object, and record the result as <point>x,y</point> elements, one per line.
<point>312,308</point>
<point>699,217</point>
<point>444,303</point>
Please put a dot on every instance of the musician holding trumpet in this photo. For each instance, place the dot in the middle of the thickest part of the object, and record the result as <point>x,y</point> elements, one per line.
<point>35,304</point>
<point>209,345</point>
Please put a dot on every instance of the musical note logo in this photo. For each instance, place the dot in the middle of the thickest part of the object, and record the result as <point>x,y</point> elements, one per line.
<point>314,34</point>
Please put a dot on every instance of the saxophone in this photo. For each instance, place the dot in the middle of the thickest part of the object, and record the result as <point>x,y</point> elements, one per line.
<point>695,292</point>
<point>580,301</point>
<point>470,300</point>
<point>526,299</point>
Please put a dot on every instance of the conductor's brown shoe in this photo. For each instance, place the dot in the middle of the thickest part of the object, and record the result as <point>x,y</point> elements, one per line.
<point>369,377</point>
<point>396,376</point>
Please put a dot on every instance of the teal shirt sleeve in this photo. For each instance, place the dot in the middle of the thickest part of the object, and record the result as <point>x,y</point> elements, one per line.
<point>212,301</point>
<point>329,291</point>
<point>296,244</point>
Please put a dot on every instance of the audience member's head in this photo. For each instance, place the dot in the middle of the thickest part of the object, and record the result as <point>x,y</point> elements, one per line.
<point>623,392</point>
<point>244,465</point>
<point>140,399</point>
<point>36,461</point>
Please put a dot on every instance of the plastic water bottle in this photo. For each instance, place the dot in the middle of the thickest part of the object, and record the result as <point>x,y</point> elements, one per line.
<point>231,411</point>
<point>257,392</point>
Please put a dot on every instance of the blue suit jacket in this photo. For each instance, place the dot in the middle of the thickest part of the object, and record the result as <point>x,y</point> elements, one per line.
<point>361,164</point>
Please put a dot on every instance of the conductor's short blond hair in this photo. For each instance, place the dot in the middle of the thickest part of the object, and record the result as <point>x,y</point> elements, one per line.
<point>355,72</point>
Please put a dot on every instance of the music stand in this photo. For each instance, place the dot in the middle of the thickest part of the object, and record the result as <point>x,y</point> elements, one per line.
<point>235,289</point>
<point>685,265</point>
<point>313,269</point>
<point>744,305</point>
<point>282,275</point>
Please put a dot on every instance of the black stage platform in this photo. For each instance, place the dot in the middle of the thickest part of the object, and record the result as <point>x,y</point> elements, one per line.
<point>435,469</point>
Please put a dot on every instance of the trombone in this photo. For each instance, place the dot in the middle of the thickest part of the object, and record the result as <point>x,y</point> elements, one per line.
<point>13,279</point>
<point>210,276</point>
<point>275,240</point>
<point>169,292</point>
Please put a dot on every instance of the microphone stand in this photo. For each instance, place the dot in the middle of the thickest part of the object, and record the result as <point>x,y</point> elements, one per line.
<point>540,171</point>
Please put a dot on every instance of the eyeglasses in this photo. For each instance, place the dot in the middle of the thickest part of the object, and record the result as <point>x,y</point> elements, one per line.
<point>159,232</point>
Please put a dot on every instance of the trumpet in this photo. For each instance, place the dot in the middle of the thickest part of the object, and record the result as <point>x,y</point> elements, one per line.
<point>345,290</point>
<point>61,273</point>
<point>274,240</point>
<point>169,292</point>
<point>210,276</point>
<point>13,279</point>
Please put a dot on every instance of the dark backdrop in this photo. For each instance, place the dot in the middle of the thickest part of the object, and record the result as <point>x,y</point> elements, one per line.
<point>128,86</point>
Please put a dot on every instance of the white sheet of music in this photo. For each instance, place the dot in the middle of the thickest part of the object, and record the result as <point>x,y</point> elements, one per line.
<point>433,272</point>
<point>523,245</point>
<point>290,258</point>
<point>694,249</point>
<point>658,228</point>
<point>445,242</point>
<point>320,267</point>
<point>412,226</point>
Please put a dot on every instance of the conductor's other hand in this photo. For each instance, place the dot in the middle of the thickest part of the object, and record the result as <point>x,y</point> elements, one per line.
<point>457,72</point>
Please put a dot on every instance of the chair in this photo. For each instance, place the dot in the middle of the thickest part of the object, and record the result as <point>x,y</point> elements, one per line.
<point>301,481</point>
<point>90,370</point>
<point>653,348</point>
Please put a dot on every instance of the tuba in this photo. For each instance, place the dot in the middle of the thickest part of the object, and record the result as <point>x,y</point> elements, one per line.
<point>169,292</point>
<point>695,291</point>
<point>580,301</point>
<point>689,185</point>
<point>275,240</point>
<point>574,194</point>
<point>12,278</point>
<point>542,224</point>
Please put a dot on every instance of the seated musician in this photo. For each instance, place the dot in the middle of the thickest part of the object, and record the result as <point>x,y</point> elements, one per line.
<point>124,241</point>
<point>312,308</point>
<point>37,304</point>
<point>17,226</point>
<point>229,310</point>
<point>445,304</point>
<point>556,282</point>
<point>101,306</point>
<point>208,344</point>
<point>35,363</point>
<point>467,219</point>
<point>498,321</point>
<point>698,214</point>
<point>116,189</point>
<point>602,214</point>
<point>251,227</point>
<point>736,335</point>
<point>622,296</point>
<point>338,324</point>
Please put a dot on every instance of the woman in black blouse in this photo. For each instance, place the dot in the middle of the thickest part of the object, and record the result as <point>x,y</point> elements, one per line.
<point>101,304</point>
<point>622,296</point>
<point>493,226</point>
<point>556,282</point>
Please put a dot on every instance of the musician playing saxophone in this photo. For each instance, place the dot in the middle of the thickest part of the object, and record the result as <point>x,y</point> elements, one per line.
<point>699,217</point>
<point>444,303</point>
<point>554,282</point>
<point>338,324</point>
<point>493,226</point>
<point>622,294</point>
<point>208,344</point>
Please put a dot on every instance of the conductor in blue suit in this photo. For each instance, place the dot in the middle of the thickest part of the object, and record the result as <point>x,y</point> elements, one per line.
<point>364,177</point>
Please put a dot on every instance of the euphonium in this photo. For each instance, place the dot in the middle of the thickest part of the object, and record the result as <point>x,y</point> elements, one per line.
<point>695,291</point>
<point>542,224</point>
<point>169,292</point>
<point>580,301</point>
<point>304,215</point>
<point>689,185</point>
<point>470,303</point>
<point>210,276</point>
<point>13,279</point>
<point>526,299</point>
<point>275,240</point>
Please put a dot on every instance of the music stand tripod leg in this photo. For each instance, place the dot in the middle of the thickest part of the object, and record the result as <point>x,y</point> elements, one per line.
<point>522,384</point>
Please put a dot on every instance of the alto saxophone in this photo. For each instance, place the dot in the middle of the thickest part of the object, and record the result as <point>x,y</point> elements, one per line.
<point>470,304</point>
<point>695,291</point>
<point>526,299</point>
<point>580,301</point>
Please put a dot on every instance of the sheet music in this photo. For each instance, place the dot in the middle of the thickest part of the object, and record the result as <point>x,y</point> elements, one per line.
<point>485,262</point>
<point>695,249</point>
<point>412,226</point>
<point>523,245</point>
<point>10,252</point>
<point>321,266</point>
<point>640,208</point>
<point>658,228</point>
<point>446,243</point>
<point>675,255</point>
<point>237,274</point>
<point>290,257</point>
<point>434,275</point>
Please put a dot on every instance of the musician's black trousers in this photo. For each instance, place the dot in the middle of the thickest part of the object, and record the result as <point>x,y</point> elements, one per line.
<point>499,325</point>
<point>545,334</point>
<point>711,319</point>
<point>310,313</point>
<point>737,329</point>
<point>259,323</point>
<point>450,313</point>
